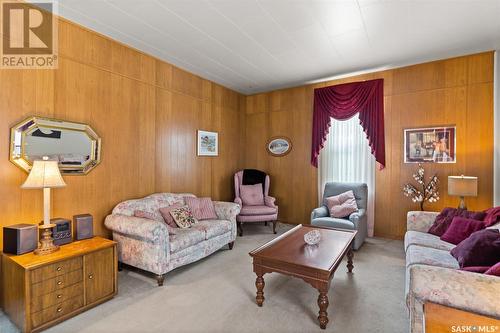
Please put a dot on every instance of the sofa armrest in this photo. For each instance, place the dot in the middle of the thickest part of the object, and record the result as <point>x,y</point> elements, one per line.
<point>320,212</point>
<point>238,201</point>
<point>358,216</point>
<point>458,289</point>
<point>269,201</point>
<point>420,221</point>
<point>138,228</point>
<point>227,210</point>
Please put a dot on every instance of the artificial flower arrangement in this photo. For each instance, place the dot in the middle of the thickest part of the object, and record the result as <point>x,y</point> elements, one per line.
<point>429,192</point>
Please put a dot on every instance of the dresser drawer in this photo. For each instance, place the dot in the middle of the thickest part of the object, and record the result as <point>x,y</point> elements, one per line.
<point>56,311</point>
<point>53,270</point>
<point>56,283</point>
<point>48,300</point>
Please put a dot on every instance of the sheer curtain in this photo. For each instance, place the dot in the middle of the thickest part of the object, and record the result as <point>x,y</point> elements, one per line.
<point>346,157</point>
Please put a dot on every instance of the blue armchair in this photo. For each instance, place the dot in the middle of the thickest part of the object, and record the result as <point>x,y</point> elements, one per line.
<point>356,221</point>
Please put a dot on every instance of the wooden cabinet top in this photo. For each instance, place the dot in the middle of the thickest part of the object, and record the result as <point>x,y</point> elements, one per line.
<point>77,248</point>
<point>443,319</point>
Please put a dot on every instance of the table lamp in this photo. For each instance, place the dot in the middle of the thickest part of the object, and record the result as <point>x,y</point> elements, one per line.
<point>45,175</point>
<point>462,186</point>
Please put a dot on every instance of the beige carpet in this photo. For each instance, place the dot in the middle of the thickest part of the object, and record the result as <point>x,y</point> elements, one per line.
<point>217,294</point>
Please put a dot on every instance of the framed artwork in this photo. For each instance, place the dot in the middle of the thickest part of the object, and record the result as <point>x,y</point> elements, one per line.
<point>279,146</point>
<point>208,143</point>
<point>433,144</point>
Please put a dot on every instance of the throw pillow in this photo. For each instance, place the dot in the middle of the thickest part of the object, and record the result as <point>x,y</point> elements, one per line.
<point>342,205</point>
<point>183,217</point>
<point>147,215</point>
<point>151,216</point>
<point>461,228</point>
<point>495,270</point>
<point>443,220</point>
<point>476,269</point>
<point>165,212</point>
<point>492,216</point>
<point>482,248</point>
<point>202,208</point>
<point>251,195</point>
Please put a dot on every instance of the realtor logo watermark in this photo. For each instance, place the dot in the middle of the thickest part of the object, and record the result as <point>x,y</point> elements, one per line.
<point>29,35</point>
<point>474,328</point>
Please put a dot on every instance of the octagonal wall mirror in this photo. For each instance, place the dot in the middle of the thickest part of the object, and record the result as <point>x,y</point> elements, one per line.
<point>75,146</point>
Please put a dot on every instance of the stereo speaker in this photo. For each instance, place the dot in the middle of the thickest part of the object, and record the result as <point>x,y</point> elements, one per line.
<point>83,226</point>
<point>20,238</point>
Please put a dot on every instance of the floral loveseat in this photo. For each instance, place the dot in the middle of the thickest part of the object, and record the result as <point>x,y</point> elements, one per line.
<point>433,275</point>
<point>149,245</point>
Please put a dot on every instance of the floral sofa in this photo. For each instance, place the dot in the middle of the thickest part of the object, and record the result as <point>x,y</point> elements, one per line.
<point>152,246</point>
<point>433,275</point>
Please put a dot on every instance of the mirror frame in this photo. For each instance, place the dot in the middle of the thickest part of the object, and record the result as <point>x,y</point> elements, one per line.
<point>18,157</point>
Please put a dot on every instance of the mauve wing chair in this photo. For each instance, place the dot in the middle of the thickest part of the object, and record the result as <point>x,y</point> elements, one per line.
<point>260,213</point>
<point>356,221</point>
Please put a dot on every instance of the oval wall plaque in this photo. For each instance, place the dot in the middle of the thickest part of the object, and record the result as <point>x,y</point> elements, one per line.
<point>279,146</point>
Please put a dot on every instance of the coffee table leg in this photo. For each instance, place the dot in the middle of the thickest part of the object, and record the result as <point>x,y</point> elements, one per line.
<point>350,255</point>
<point>323,306</point>
<point>259,283</point>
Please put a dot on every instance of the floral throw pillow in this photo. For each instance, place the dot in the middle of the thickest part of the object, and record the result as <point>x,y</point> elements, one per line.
<point>183,217</point>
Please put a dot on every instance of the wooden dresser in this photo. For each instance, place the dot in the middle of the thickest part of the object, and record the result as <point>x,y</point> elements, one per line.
<point>40,291</point>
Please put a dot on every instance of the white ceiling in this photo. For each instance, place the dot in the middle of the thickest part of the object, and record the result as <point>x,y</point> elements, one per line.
<point>259,45</point>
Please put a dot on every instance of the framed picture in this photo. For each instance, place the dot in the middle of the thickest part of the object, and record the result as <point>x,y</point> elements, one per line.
<point>208,143</point>
<point>433,144</point>
<point>279,146</point>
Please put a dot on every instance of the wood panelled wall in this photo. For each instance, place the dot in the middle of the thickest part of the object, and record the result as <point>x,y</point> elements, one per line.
<point>146,112</point>
<point>456,91</point>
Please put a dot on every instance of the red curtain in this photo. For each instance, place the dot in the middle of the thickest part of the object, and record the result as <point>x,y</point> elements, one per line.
<point>342,102</point>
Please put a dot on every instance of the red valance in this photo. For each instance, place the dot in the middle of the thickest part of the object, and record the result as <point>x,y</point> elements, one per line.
<point>342,102</point>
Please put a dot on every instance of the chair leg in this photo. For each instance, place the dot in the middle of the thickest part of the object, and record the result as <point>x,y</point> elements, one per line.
<point>265,223</point>
<point>240,228</point>
<point>160,278</point>
<point>275,223</point>
<point>231,245</point>
<point>120,266</point>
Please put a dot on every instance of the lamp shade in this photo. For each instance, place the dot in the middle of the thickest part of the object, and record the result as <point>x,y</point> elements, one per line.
<point>463,186</point>
<point>44,174</point>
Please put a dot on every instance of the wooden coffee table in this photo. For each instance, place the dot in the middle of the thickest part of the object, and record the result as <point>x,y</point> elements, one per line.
<point>288,254</point>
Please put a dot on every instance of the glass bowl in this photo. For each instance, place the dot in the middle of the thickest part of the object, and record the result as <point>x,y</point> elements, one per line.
<point>312,237</point>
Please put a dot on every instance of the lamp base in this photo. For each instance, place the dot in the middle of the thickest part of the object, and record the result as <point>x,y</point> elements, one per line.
<point>47,245</point>
<point>462,205</point>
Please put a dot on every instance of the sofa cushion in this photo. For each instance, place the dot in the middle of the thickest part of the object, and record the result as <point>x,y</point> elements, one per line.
<point>213,228</point>
<point>495,270</point>
<point>155,217</point>
<point>428,256</point>
<point>443,220</point>
<point>165,213</point>
<point>257,210</point>
<point>475,269</point>
<point>252,194</point>
<point>482,248</point>
<point>492,216</point>
<point>333,222</point>
<point>128,207</point>
<point>342,205</point>
<point>183,217</point>
<point>426,240</point>
<point>202,208</point>
<point>185,238</point>
<point>461,228</point>
<point>167,199</point>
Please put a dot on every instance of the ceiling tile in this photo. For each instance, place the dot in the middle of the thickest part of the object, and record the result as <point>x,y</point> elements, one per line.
<point>259,45</point>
